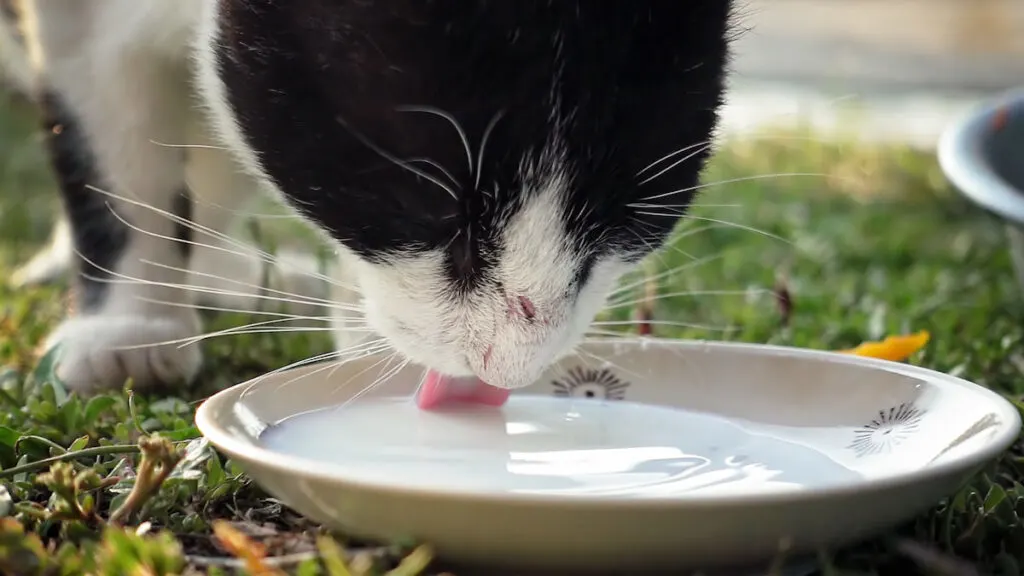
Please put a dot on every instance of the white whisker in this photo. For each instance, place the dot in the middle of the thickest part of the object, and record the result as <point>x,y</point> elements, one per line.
<point>187,341</point>
<point>451,120</point>
<point>691,293</point>
<point>227,310</point>
<point>125,279</point>
<point>195,146</point>
<point>327,366</point>
<point>607,333</point>
<point>361,372</point>
<point>266,257</point>
<point>732,181</point>
<point>676,163</point>
<point>684,233</point>
<point>387,359</point>
<point>396,161</point>
<point>308,299</point>
<point>664,323</point>
<point>650,247</point>
<point>683,206</point>
<point>483,145</point>
<point>439,167</point>
<point>660,214</point>
<point>270,330</point>
<point>334,366</point>
<point>740,226</point>
<point>171,238</point>
<point>298,364</point>
<point>380,380</point>
<point>669,272</point>
<point>605,362</point>
<point>670,155</point>
<point>201,200</point>
<point>240,330</point>
<point>304,362</point>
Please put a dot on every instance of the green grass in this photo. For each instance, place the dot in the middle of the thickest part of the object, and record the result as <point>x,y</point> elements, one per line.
<point>878,244</point>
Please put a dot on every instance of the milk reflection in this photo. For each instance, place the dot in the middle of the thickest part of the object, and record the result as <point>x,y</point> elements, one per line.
<point>514,428</point>
<point>655,471</point>
<point>664,470</point>
<point>554,446</point>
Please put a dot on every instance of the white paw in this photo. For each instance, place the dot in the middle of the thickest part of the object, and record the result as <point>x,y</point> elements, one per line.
<point>50,263</point>
<point>103,351</point>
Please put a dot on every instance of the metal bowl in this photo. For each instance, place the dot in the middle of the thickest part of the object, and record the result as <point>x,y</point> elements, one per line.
<point>982,154</point>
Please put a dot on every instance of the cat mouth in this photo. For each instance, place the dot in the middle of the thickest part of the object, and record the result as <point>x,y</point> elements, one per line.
<point>439,390</point>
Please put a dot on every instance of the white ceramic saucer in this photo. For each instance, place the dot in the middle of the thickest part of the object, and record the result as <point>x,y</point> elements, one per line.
<point>662,454</point>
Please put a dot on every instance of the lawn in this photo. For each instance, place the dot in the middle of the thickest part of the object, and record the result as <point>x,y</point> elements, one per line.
<point>873,243</point>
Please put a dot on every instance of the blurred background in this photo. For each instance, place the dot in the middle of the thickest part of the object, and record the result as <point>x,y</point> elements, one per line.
<point>906,67</point>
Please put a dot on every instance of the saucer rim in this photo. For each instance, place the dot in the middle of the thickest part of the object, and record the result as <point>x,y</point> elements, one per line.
<point>1009,427</point>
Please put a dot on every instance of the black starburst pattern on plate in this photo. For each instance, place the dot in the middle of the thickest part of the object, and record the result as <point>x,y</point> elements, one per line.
<point>582,382</point>
<point>886,431</point>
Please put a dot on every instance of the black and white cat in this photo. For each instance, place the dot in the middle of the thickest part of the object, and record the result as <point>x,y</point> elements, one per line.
<point>486,170</point>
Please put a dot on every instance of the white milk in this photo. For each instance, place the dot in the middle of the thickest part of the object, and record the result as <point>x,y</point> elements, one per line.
<point>547,445</point>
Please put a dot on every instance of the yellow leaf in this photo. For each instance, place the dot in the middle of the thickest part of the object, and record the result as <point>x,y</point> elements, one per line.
<point>894,348</point>
<point>241,547</point>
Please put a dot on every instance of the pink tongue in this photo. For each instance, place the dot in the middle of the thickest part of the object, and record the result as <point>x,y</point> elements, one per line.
<point>438,390</point>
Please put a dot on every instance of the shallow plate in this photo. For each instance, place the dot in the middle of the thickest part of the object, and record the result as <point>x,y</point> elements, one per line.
<point>661,454</point>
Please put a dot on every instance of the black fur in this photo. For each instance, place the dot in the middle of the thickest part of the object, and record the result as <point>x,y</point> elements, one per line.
<point>99,236</point>
<point>317,86</point>
<point>182,208</point>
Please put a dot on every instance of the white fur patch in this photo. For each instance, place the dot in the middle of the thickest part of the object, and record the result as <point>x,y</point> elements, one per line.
<point>411,302</point>
<point>50,263</point>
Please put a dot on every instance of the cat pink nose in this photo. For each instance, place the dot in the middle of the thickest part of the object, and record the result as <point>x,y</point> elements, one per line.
<point>521,307</point>
<point>526,307</point>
